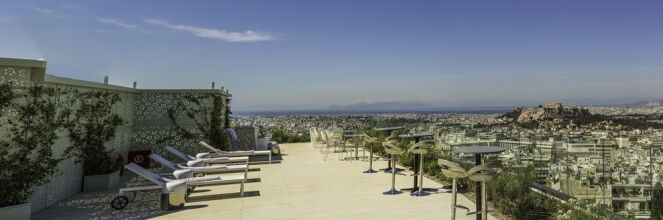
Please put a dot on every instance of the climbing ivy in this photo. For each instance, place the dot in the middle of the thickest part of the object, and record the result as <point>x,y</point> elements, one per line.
<point>207,112</point>
<point>6,96</point>
<point>227,114</point>
<point>26,157</point>
<point>91,127</point>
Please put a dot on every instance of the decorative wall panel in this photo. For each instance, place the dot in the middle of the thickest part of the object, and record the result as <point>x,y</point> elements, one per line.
<point>153,129</point>
<point>152,106</point>
<point>18,76</point>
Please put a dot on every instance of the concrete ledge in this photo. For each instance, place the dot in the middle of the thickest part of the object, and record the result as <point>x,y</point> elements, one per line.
<point>22,62</point>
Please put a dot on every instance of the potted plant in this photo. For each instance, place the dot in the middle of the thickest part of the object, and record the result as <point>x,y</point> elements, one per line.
<point>25,147</point>
<point>92,125</point>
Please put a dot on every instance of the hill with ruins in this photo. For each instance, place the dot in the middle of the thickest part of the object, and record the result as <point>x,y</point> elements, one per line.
<point>548,111</point>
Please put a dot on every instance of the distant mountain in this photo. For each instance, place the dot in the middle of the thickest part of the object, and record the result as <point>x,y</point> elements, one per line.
<point>655,103</point>
<point>275,107</point>
<point>385,105</point>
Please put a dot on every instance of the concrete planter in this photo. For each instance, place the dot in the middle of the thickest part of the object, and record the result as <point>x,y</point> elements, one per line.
<point>17,212</point>
<point>102,182</point>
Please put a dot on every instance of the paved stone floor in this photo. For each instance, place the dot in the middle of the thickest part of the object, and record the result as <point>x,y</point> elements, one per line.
<point>304,185</point>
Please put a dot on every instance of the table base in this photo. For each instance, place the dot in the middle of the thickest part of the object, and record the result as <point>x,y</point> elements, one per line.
<point>420,193</point>
<point>370,171</point>
<point>388,170</point>
<point>416,189</point>
<point>392,192</point>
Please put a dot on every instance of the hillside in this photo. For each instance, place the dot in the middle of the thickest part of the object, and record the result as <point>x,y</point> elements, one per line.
<point>555,115</point>
<point>549,111</point>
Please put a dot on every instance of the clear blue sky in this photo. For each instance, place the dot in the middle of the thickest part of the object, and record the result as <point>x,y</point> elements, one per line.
<point>308,54</point>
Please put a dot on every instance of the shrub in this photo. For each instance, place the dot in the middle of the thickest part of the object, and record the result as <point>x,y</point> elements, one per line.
<point>430,164</point>
<point>511,195</point>
<point>281,136</point>
<point>579,210</point>
<point>657,202</point>
<point>406,159</point>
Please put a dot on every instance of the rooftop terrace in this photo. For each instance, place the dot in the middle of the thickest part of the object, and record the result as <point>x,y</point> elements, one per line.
<point>302,186</point>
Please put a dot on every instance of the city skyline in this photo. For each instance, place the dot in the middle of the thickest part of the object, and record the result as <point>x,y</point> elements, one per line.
<point>303,55</point>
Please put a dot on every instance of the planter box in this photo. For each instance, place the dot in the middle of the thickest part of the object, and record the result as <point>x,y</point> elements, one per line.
<point>101,182</point>
<point>17,212</point>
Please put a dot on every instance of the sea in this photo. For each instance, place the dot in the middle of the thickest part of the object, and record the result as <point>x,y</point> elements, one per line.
<point>271,113</point>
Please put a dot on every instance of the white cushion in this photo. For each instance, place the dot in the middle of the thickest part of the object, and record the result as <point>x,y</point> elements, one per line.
<point>195,163</point>
<point>203,155</point>
<point>174,186</point>
<point>183,174</point>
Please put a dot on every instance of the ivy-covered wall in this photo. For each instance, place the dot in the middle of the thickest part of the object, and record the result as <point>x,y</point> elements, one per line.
<point>144,112</point>
<point>154,130</point>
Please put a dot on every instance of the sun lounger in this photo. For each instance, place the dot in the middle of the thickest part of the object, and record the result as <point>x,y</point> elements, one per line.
<point>237,153</point>
<point>173,192</point>
<point>207,157</point>
<point>187,176</point>
<point>197,166</point>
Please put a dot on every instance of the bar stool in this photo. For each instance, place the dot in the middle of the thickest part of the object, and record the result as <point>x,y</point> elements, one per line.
<point>482,174</point>
<point>337,138</point>
<point>421,148</point>
<point>454,171</point>
<point>325,144</point>
<point>368,141</point>
<point>344,146</point>
<point>316,137</point>
<point>313,135</point>
<point>393,148</point>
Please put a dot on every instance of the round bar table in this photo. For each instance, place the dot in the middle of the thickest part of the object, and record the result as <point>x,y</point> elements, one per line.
<point>387,131</point>
<point>417,159</point>
<point>370,155</point>
<point>478,151</point>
